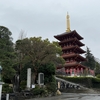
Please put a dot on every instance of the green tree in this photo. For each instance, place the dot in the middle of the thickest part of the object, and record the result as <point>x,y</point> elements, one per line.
<point>97,68</point>
<point>6,53</point>
<point>38,52</point>
<point>48,70</point>
<point>90,59</point>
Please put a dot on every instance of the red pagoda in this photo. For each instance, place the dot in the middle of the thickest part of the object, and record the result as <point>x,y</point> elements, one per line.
<point>71,48</point>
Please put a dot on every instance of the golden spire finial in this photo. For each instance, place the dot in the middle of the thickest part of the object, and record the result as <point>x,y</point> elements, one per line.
<point>68,23</point>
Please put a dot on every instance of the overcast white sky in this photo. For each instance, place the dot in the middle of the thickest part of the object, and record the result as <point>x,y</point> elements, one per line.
<point>47,18</point>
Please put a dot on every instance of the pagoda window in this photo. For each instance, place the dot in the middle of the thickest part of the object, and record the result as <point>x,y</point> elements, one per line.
<point>67,60</point>
<point>71,60</point>
<point>71,51</point>
<point>67,45</point>
<point>62,38</point>
<point>68,51</point>
<point>64,45</point>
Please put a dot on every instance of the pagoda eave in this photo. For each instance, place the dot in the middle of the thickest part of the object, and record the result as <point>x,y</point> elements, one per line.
<point>76,56</point>
<point>73,40</point>
<point>75,48</point>
<point>72,33</point>
<point>71,65</point>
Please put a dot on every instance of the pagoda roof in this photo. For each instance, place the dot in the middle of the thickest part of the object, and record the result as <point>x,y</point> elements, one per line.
<point>72,33</point>
<point>75,48</point>
<point>74,40</point>
<point>77,65</point>
<point>73,55</point>
<point>71,65</point>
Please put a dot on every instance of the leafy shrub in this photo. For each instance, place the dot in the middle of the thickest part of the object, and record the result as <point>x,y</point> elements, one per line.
<point>51,87</point>
<point>38,91</point>
<point>49,71</point>
<point>98,76</point>
<point>23,85</point>
<point>6,88</point>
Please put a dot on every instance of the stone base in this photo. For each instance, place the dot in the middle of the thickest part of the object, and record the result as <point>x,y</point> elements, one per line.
<point>58,92</point>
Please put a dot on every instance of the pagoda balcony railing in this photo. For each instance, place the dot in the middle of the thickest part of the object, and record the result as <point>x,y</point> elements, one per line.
<point>71,62</point>
<point>68,40</point>
<point>76,56</point>
<point>68,55</point>
<point>73,48</point>
<point>69,47</point>
<point>73,40</point>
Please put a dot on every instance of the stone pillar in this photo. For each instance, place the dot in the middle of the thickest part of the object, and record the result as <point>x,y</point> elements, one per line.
<point>29,78</point>
<point>1,83</point>
<point>58,85</point>
<point>7,96</point>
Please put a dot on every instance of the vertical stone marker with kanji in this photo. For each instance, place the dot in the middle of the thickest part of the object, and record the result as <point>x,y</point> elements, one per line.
<point>28,78</point>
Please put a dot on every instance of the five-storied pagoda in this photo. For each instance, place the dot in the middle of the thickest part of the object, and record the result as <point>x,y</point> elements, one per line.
<point>71,48</point>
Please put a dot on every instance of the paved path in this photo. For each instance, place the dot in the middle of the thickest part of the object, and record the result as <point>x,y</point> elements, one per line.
<point>71,96</point>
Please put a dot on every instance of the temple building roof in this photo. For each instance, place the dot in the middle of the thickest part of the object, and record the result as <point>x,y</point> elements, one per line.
<point>74,40</point>
<point>71,65</point>
<point>66,34</point>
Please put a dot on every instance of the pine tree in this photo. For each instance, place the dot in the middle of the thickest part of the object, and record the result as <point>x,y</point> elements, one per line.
<point>90,59</point>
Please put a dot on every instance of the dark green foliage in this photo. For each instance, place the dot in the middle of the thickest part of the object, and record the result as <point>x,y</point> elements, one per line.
<point>90,59</point>
<point>23,72</point>
<point>91,62</point>
<point>7,89</point>
<point>49,80</point>
<point>23,85</point>
<point>49,71</point>
<point>38,91</point>
<point>98,76</point>
<point>51,87</point>
<point>6,53</point>
<point>39,52</point>
<point>97,68</point>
